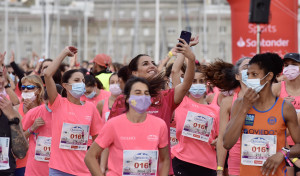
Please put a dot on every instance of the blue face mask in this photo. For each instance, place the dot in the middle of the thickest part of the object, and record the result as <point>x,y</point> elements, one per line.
<point>13,77</point>
<point>91,95</point>
<point>48,109</point>
<point>170,83</point>
<point>181,80</point>
<point>255,84</point>
<point>197,90</point>
<point>244,76</point>
<point>78,89</point>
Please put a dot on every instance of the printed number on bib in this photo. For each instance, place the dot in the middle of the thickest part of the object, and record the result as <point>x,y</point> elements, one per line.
<point>74,136</point>
<point>4,153</point>
<point>173,138</point>
<point>257,148</point>
<point>140,162</point>
<point>42,149</point>
<point>197,126</point>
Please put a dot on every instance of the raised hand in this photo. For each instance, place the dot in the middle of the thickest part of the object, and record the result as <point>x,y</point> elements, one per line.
<point>70,51</point>
<point>2,57</point>
<point>184,49</point>
<point>194,41</point>
<point>12,57</point>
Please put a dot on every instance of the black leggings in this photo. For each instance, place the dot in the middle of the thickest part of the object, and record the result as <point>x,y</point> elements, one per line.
<point>182,168</point>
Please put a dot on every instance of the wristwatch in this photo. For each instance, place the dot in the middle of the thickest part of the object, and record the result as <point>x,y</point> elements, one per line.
<point>14,121</point>
<point>287,150</point>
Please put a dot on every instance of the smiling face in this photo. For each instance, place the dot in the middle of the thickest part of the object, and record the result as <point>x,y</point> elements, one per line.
<point>145,68</point>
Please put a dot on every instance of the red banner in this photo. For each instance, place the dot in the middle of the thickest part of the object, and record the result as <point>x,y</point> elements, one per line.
<point>279,36</point>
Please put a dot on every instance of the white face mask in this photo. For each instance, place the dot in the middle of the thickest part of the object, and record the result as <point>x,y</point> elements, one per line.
<point>28,95</point>
<point>244,75</point>
<point>255,84</point>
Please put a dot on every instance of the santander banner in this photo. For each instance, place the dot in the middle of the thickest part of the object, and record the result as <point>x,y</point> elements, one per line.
<point>279,36</point>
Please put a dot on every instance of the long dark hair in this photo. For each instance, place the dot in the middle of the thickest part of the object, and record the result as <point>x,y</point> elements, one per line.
<point>90,81</point>
<point>156,82</point>
<point>222,74</point>
<point>65,79</point>
<point>128,87</point>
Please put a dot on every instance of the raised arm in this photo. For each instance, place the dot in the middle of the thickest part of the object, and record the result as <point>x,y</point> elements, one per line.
<point>50,71</point>
<point>182,88</point>
<point>238,114</point>
<point>19,143</point>
<point>164,62</point>
<point>176,70</point>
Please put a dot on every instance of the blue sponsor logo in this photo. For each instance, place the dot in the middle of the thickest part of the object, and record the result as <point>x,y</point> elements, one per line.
<point>259,131</point>
<point>272,120</point>
<point>249,121</point>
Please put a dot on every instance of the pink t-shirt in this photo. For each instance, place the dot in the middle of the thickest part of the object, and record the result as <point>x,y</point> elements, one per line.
<point>295,103</point>
<point>119,134</point>
<point>102,95</point>
<point>34,167</point>
<point>216,96</point>
<point>234,158</point>
<point>162,106</point>
<point>65,112</point>
<point>192,150</point>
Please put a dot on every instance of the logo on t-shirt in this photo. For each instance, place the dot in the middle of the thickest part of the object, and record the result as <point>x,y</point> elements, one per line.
<point>152,137</point>
<point>127,138</point>
<point>249,121</point>
<point>272,120</point>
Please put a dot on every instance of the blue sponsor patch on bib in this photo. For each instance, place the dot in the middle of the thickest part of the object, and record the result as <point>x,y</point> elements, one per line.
<point>249,121</point>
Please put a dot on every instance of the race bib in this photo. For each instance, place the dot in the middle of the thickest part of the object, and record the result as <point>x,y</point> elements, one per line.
<point>74,136</point>
<point>197,126</point>
<point>106,116</point>
<point>140,162</point>
<point>42,149</point>
<point>173,138</point>
<point>257,148</point>
<point>4,153</point>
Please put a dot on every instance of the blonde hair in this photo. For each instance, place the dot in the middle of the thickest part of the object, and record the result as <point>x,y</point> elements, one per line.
<point>36,81</point>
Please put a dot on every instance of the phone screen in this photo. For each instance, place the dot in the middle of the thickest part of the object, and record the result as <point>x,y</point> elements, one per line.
<point>186,36</point>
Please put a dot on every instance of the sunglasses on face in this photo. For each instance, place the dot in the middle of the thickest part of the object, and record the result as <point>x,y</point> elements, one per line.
<point>29,87</point>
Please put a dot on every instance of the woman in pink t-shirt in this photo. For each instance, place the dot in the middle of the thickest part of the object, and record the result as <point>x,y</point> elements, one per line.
<point>104,106</point>
<point>32,96</point>
<point>229,77</point>
<point>196,128</point>
<point>94,90</point>
<point>72,120</point>
<point>289,90</point>
<point>136,140</point>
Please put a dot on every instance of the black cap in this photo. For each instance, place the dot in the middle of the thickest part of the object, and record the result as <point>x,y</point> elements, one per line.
<point>293,56</point>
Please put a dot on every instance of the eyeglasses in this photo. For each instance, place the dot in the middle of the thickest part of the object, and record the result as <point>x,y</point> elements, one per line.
<point>29,87</point>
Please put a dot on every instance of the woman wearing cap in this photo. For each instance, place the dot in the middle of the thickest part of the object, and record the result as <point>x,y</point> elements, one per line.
<point>289,87</point>
<point>102,63</point>
<point>260,120</point>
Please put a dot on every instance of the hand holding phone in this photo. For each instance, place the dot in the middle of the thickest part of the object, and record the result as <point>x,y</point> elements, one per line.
<point>185,35</point>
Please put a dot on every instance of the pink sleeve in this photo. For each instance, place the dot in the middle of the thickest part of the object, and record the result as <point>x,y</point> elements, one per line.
<point>56,103</point>
<point>29,118</point>
<point>163,139</point>
<point>106,135</point>
<point>97,123</point>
